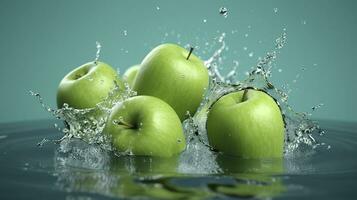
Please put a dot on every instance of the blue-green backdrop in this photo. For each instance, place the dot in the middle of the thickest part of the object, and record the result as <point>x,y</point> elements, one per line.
<point>42,40</point>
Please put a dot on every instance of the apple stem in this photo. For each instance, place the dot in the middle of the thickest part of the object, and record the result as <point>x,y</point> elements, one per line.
<point>244,97</point>
<point>124,123</point>
<point>189,54</point>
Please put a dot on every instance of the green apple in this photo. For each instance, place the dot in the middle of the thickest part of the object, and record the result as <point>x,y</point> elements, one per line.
<point>247,124</point>
<point>236,165</point>
<point>147,126</point>
<point>174,75</point>
<point>130,74</point>
<point>87,85</point>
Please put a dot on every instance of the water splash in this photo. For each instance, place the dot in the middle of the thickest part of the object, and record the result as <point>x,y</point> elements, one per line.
<point>198,158</point>
<point>87,124</point>
<point>40,100</point>
<point>43,142</point>
<point>97,54</point>
<point>299,128</point>
<point>213,62</point>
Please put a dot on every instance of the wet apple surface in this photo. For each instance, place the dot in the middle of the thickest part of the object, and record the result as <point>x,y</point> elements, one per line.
<point>76,170</point>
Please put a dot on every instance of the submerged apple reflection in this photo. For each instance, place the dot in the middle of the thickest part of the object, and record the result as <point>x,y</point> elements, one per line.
<point>87,168</point>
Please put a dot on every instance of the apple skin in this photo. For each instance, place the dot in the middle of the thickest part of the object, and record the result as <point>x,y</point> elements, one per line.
<point>130,74</point>
<point>167,74</point>
<point>252,127</point>
<point>145,126</point>
<point>87,85</point>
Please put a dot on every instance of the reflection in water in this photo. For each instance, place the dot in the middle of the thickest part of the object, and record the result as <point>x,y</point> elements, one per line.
<point>81,167</point>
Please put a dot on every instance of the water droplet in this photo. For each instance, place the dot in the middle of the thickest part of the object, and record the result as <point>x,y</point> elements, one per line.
<point>157,8</point>
<point>280,70</point>
<point>275,10</point>
<point>251,54</point>
<point>32,93</point>
<point>223,11</point>
<point>188,113</point>
<point>246,35</point>
<point>42,142</point>
<point>314,108</point>
<point>205,20</point>
<point>303,22</point>
<point>321,132</point>
<point>245,48</point>
<point>115,122</point>
<point>65,130</point>
<point>125,32</point>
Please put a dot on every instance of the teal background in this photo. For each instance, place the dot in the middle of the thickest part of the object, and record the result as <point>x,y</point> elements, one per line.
<point>42,40</point>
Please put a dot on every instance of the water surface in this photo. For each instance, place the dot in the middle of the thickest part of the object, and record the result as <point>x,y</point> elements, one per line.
<point>76,170</point>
